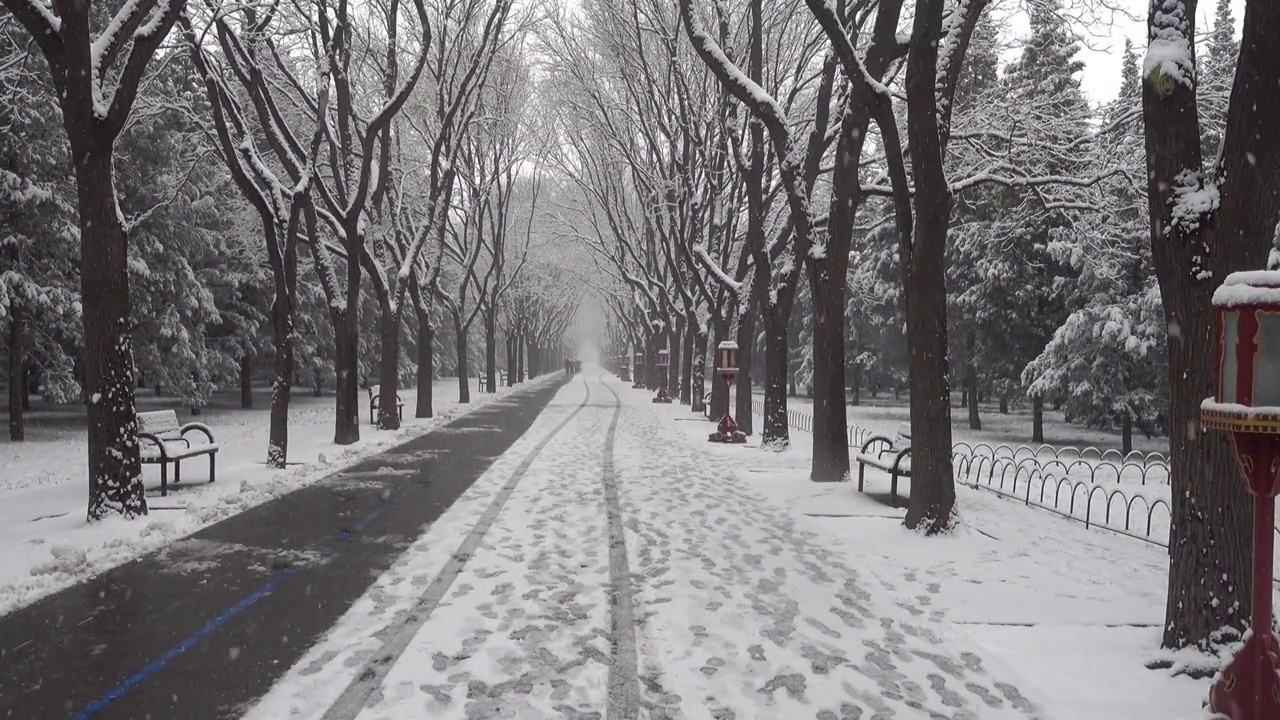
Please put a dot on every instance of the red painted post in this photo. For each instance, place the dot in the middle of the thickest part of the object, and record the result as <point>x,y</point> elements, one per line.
<point>727,428</point>
<point>1247,404</point>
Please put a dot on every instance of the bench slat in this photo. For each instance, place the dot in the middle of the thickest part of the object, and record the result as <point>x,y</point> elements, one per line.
<point>158,422</point>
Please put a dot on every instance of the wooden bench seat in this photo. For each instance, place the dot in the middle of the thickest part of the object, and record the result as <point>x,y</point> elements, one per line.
<point>163,440</point>
<point>891,455</point>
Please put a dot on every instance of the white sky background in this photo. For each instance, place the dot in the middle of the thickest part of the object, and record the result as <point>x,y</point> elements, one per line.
<point>1104,39</point>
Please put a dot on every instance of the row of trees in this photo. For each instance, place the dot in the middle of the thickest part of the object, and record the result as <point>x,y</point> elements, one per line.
<point>311,185</point>
<point>862,202</point>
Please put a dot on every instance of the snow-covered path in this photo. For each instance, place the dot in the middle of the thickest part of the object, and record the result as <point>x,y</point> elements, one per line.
<point>603,568</point>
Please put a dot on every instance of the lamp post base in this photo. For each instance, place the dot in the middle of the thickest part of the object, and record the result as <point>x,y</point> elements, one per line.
<point>735,438</point>
<point>1249,687</point>
<point>727,432</point>
<point>638,385</point>
<point>662,397</point>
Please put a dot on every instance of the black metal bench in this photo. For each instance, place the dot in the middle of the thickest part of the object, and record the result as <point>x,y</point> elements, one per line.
<point>375,401</point>
<point>163,440</point>
<point>892,455</point>
<point>483,382</point>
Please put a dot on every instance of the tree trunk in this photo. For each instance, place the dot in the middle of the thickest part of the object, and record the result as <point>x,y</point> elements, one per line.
<point>971,383</point>
<point>512,342</point>
<point>686,361</point>
<point>719,393</point>
<point>855,386</point>
<point>1126,432</point>
<point>1004,404</point>
<point>651,380</point>
<point>675,341</point>
<point>1210,537</point>
<point>698,371</point>
<point>1037,419</point>
<point>346,375</point>
<point>490,350</point>
<point>933,490</point>
<point>246,381</point>
<point>426,366</point>
<point>464,382</point>
<point>389,368</point>
<point>775,432</point>
<point>282,327</point>
<point>830,425</point>
<point>746,340</point>
<point>17,378</point>
<point>115,473</point>
<point>520,345</point>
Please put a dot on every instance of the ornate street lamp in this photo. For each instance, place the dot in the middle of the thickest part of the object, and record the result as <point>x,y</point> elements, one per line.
<point>1248,406</point>
<point>727,361</point>
<point>664,362</point>
<point>636,365</point>
<point>624,370</point>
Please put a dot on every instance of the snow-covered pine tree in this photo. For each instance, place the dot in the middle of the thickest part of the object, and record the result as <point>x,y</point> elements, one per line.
<point>975,210</point>
<point>1105,364</point>
<point>1023,287</point>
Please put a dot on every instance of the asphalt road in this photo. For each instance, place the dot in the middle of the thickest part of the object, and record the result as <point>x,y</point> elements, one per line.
<point>204,627</point>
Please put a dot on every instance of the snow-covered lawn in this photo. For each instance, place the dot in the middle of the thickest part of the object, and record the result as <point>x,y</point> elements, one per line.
<point>46,544</point>
<point>1074,613</point>
<point>755,593</point>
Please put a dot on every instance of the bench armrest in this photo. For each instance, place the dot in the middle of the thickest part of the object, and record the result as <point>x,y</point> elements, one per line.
<point>164,453</point>
<point>874,439</point>
<point>198,427</point>
<point>897,460</point>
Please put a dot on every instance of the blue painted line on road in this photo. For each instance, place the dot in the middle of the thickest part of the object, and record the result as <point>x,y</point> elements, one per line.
<point>187,643</point>
<point>248,601</point>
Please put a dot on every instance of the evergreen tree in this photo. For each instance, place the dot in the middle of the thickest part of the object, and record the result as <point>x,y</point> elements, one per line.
<point>1011,284</point>
<point>1105,365</point>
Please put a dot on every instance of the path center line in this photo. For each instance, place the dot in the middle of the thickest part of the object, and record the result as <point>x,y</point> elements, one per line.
<point>623,701</point>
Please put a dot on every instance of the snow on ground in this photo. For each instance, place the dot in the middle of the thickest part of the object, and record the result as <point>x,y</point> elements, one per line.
<point>756,594</point>
<point>45,543</point>
<point>1076,611</point>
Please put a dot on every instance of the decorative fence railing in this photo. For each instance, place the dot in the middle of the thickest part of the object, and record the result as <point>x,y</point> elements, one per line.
<point>1082,498</point>
<point>1078,483</point>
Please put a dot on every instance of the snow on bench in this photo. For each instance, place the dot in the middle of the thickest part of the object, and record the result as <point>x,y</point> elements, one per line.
<point>890,455</point>
<point>163,440</point>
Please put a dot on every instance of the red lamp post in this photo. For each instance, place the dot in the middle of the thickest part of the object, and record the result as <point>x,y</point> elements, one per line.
<point>1248,406</point>
<point>664,362</point>
<point>727,429</point>
<point>636,364</point>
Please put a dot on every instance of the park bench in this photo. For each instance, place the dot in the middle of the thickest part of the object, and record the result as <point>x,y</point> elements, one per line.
<point>484,382</point>
<point>890,455</point>
<point>163,440</point>
<point>375,400</point>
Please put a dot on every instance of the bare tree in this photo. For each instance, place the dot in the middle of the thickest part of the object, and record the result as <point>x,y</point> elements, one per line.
<point>279,205</point>
<point>97,76</point>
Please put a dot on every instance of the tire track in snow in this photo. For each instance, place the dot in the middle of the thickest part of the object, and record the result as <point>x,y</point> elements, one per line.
<point>623,701</point>
<point>356,695</point>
